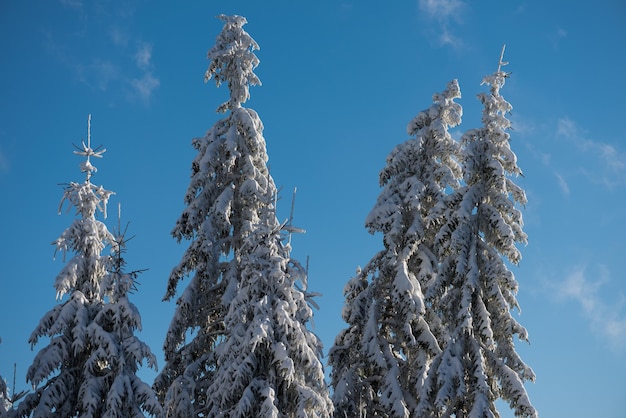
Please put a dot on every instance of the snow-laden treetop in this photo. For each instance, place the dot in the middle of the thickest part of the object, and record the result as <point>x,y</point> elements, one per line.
<point>87,151</point>
<point>233,61</point>
<point>90,198</point>
<point>87,236</point>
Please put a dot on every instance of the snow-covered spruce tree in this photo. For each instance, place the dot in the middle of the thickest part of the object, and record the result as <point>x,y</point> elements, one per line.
<point>238,343</point>
<point>117,352</point>
<point>77,374</point>
<point>268,365</point>
<point>380,361</point>
<point>474,291</point>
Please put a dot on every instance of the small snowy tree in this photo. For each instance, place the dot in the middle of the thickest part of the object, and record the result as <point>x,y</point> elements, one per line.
<point>380,361</point>
<point>77,373</point>
<point>474,291</point>
<point>272,362</point>
<point>111,371</point>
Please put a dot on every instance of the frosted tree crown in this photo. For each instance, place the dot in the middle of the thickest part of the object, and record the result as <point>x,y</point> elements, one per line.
<point>233,61</point>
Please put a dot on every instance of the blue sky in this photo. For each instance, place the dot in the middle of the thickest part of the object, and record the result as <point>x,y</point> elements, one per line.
<point>341,80</point>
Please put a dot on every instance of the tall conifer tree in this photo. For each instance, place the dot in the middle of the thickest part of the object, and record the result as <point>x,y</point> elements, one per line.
<point>380,361</point>
<point>88,368</point>
<point>475,291</point>
<point>238,343</point>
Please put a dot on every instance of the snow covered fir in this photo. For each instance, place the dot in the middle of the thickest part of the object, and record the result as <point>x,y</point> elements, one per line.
<point>429,330</point>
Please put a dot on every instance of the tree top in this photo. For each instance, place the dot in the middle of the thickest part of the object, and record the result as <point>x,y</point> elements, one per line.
<point>87,151</point>
<point>233,61</point>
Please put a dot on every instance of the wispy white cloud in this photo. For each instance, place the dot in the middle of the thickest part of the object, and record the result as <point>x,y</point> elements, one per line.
<point>605,317</point>
<point>448,38</point>
<point>562,184</point>
<point>557,36</point>
<point>147,83</point>
<point>444,13</point>
<point>611,161</point>
<point>541,156</point>
<point>527,128</point>
<point>441,9</point>
<point>121,66</point>
<point>566,127</point>
<point>143,55</point>
<point>615,160</point>
<point>145,86</point>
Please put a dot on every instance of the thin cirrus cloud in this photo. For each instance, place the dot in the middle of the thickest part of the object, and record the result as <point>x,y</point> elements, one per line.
<point>114,72</point>
<point>122,64</point>
<point>443,13</point>
<point>562,183</point>
<point>441,9</point>
<point>529,129</point>
<point>143,55</point>
<point>605,317</point>
<point>556,37</point>
<point>612,161</point>
<point>147,83</point>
